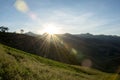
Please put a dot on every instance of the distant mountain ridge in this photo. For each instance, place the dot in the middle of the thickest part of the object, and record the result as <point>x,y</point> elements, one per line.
<point>31,34</point>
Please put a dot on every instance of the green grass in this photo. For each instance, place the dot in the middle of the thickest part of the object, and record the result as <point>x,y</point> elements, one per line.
<point>19,65</point>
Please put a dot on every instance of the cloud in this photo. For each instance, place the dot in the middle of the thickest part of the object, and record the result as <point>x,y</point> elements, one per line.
<point>75,23</point>
<point>66,21</point>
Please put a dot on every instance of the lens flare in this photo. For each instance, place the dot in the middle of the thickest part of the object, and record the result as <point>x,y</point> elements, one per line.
<point>21,6</point>
<point>33,16</point>
<point>74,51</point>
<point>86,63</point>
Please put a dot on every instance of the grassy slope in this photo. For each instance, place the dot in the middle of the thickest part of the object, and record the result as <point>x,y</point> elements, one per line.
<point>18,65</point>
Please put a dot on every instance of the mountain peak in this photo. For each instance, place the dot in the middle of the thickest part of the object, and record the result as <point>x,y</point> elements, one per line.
<point>31,34</point>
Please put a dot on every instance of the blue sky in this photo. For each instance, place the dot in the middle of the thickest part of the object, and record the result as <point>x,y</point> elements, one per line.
<point>69,16</point>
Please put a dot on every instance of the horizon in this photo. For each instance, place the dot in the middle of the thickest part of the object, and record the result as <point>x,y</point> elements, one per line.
<point>73,34</point>
<point>74,17</point>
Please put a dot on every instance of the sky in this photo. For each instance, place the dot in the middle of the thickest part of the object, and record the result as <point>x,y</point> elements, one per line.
<point>69,16</point>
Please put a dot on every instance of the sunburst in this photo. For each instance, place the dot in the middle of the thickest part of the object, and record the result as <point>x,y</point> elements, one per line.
<point>51,28</point>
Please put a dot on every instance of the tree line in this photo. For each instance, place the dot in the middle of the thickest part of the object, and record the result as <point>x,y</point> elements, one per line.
<point>5,29</point>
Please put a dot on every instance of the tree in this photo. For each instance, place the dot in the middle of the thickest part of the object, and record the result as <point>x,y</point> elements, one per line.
<point>4,29</point>
<point>21,31</point>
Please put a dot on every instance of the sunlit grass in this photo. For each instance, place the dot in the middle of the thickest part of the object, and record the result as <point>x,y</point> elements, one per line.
<point>18,65</point>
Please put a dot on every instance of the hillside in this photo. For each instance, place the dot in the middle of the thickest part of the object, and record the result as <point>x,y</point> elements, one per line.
<point>38,45</point>
<point>100,51</point>
<point>19,65</point>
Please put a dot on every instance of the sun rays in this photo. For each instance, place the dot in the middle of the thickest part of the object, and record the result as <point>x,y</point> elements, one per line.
<point>60,50</point>
<point>50,28</point>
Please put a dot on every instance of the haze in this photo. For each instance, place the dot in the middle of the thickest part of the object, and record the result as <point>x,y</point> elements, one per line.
<point>69,16</point>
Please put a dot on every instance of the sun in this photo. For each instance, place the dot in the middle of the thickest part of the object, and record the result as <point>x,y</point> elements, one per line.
<point>51,29</point>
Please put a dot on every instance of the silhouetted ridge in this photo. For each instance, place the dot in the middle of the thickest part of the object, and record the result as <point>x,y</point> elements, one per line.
<point>31,34</point>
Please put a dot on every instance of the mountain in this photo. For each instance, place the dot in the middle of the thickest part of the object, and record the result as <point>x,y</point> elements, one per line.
<point>19,65</point>
<point>102,50</point>
<point>31,34</point>
<point>39,46</point>
<point>97,51</point>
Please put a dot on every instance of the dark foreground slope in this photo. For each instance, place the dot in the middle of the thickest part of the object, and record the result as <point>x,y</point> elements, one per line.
<point>100,52</point>
<point>41,45</point>
<point>19,65</point>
